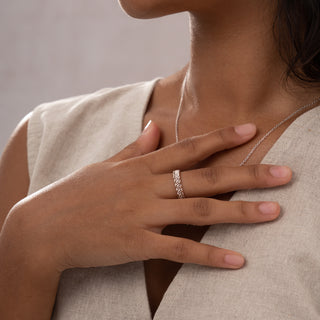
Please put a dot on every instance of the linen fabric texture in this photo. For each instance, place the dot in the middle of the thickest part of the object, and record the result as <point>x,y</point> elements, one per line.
<point>281,279</point>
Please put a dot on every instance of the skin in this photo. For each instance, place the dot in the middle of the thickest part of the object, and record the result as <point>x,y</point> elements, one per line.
<point>236,76</point>
<point>229,40</point>
<point>108,232</point>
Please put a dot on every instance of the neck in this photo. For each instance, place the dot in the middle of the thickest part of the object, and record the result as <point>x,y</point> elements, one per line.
<point>235,70</point>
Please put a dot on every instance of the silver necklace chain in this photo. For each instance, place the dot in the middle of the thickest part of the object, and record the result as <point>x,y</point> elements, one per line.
<point>261,140</point>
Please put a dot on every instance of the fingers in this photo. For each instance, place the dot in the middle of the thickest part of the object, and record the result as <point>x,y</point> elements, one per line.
<point>205,211</point>
<point>188,251</point>
<point>210,181</point>
<point>147,142</point>
<point>194,149</point>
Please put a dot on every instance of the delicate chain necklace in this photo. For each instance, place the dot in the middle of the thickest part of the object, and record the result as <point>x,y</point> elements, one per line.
<point>261,140</point>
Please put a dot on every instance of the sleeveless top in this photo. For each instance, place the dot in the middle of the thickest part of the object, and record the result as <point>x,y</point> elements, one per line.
<point>281,279</point>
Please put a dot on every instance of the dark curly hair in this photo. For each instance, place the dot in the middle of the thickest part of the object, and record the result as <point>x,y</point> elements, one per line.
<point>297,30</point>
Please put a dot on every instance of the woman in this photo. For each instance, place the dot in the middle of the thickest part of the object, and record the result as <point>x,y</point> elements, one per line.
<point>250,88</point>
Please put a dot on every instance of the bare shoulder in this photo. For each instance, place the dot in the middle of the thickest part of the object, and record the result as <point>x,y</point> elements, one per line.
<point>14,175</point>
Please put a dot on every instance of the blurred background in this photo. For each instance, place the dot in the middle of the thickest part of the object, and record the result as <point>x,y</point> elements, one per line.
<point>57,49</point>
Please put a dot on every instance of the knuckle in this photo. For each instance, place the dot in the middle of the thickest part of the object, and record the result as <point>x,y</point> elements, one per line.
<point>221,135</point>
<point>141,168</point>
<point>210,175</point>
<point>254,172</point>
<point>133,167</point>
<point>181,250</point>
<point>134,149</point>
<point>211,258</point>
<point>134,245</point>
<point>224,135</point>
<point>201,207</point>
<point>128,177</point>
<point>258,173</point>
<point>150,248</point>
<point>189,144</point>
<point>243,211</point>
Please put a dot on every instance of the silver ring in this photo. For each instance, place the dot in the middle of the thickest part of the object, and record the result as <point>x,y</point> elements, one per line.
<point>178,184</point>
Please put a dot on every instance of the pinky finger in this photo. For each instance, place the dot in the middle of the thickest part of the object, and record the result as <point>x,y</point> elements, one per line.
<point>188,251</point>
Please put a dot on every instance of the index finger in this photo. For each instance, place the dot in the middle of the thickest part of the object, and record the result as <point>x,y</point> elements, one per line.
<point>190,151</point>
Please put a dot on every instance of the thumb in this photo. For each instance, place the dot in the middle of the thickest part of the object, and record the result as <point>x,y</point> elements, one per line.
<point>147,142</point>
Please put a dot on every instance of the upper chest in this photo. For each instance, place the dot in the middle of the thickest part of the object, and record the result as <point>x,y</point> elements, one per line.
<point>280,280</point>
<point>160,273</point>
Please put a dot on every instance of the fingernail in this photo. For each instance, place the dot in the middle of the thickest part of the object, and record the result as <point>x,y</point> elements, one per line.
<point>146,127</point>
<point>245,129</point>
<point>279,171</point>
<point>268,207</point>
<point>234,260</point>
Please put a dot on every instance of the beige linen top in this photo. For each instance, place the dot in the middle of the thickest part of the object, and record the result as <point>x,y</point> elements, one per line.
<point>281,279</point>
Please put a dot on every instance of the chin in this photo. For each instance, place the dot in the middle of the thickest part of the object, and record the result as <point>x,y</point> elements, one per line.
<point>148,9</point>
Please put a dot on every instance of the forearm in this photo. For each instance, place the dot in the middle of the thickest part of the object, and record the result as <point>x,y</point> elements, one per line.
<point>28,284</point>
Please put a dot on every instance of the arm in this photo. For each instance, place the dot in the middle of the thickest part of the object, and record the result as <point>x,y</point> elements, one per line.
<point>14,175</point>
<point>28,284</point>
<point>80,221</point>
<point>20,279</point>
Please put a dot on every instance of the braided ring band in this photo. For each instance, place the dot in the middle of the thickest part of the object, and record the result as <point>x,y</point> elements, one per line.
<point>178,184</point>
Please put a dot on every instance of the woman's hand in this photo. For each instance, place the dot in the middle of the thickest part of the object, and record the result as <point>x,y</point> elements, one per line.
<point>113,212</point>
